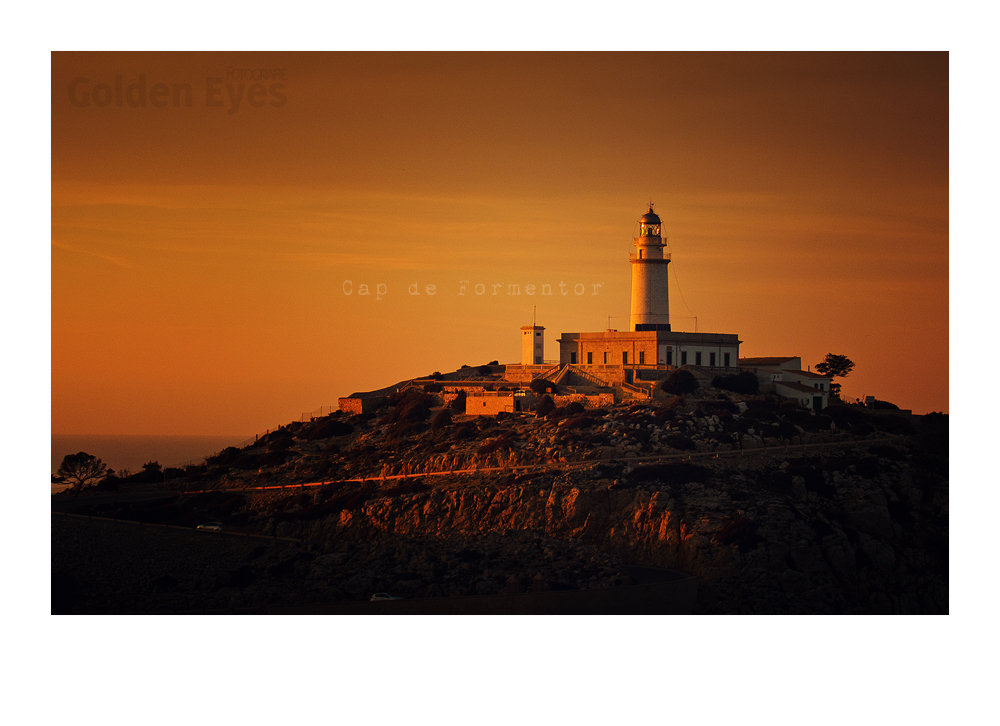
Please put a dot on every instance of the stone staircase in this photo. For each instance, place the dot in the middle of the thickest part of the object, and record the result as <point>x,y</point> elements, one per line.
<point>550,374</point>
<point>589,377</point>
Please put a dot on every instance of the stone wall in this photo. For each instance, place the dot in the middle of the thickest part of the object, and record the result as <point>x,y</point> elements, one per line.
<point>357,404</point>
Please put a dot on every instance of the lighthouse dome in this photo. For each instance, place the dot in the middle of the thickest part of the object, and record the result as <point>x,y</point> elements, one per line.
<point>649,224</point>
<point>649,217</point>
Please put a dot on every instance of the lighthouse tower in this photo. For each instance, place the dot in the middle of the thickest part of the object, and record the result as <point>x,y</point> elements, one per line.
<point>650,305</point>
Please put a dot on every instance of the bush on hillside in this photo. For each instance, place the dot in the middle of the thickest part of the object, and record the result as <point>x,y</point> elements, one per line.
<point>540,385</point>
<point>743,382</point>
<point>441,419</point>
<point>680,382</point>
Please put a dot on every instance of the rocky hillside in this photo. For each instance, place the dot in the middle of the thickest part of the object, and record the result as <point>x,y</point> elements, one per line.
<point>860,526</point>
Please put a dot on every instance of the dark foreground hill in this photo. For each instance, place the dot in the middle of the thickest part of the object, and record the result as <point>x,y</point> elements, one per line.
<point>571,502</point>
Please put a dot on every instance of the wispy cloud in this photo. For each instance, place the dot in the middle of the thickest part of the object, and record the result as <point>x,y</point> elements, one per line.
<point>113,259</point>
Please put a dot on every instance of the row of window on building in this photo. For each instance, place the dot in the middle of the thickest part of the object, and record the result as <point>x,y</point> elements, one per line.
<point>669,361</point>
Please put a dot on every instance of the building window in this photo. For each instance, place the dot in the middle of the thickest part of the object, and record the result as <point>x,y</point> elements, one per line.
<point>538,360</point>
<point>538,335</point>
<point>670,357</point>
<point>684,357</point>
<point>605,357</point>
<point>711,359</point>
<point>642,357</point>
<point>697,358</point>
<point>624,357</point>
<point>572,358</point>
<point>590,358</point>
<point>725,359</point>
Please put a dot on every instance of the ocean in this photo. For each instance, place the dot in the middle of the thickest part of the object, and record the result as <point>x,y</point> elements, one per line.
<point>132,451</point>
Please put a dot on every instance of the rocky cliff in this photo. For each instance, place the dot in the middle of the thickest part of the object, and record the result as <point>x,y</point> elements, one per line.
<point>860,526</point>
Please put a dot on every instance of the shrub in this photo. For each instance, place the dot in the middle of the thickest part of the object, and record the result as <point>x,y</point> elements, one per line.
<point>743,382</point>
<point>738,531</point>
<point>247,462</point>
<point>405,486</point>
<point>680,382</point>
<point>846,413</point>
<point>225,457</point>
<point>326,428</point>
<point>459,403</point>
<point>884,405</point>
<point>464,432</point>
<point>484,370</point>
<point>673,473</point>
<point>540,385</point>
<point>433,388</point>
<point>503,441</point>
<point>572,409</point>
<point>894,425</point>
<point>410,407</point>
<point>680,441</point>
<point>441,419</point>
<point>545,406</point>
<point>786,429</point>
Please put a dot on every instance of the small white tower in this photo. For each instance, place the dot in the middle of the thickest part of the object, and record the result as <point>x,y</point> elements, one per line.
<point>532,345</point>
<point>650,303</point>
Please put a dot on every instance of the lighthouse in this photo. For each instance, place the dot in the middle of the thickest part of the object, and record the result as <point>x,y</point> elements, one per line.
<point>650,304</point>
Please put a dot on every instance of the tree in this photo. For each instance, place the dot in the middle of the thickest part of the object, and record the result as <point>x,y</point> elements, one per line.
<point>81,469</point>
<point>835,366</point>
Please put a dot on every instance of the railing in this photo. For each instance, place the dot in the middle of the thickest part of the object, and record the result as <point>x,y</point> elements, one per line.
<point>634,257</point>
<point>637,390</point>
<point>318,413</point>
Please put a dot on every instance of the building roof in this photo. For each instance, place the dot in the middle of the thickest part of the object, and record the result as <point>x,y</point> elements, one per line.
<point>763,362</point>
<point>810,374</point>
<point>798,386</point>
<point>789,371</point>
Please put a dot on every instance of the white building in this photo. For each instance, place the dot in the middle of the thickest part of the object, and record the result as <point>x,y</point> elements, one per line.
<point>784,376</point>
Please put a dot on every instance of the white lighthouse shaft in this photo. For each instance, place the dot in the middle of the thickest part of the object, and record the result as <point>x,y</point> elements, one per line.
<point>650,301</point>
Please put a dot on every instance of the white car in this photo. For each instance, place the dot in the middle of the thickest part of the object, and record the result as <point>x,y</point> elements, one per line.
<point>212,526</point>
<point>383,596</point>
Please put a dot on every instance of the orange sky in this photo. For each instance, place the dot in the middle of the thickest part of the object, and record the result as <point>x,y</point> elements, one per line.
<point>199,256</point>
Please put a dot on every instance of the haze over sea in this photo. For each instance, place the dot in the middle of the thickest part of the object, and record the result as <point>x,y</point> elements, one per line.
<point>132,451</point>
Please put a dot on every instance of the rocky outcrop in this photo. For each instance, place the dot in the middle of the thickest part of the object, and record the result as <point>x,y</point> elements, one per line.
<point>862,529</point>
<point>805,535</point>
